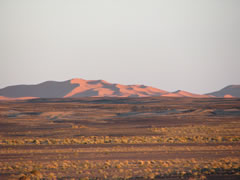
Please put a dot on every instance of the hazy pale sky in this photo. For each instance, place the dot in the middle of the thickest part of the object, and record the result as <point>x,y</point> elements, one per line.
<point>193,45</point>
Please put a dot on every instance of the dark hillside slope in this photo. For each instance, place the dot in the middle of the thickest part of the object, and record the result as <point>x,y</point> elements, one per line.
<point>233,90</point>
<point>48,89</point>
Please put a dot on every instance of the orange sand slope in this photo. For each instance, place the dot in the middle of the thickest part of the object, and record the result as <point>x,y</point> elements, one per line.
<point>100,88</point>
<point>86,88</point>
<point>228,96</point>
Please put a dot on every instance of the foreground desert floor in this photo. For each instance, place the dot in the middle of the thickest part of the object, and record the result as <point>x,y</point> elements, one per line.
<point>120,138</point>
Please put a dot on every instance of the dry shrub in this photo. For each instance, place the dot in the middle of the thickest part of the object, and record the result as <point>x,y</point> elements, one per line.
<point>51,176</point>
<point>36,173</point>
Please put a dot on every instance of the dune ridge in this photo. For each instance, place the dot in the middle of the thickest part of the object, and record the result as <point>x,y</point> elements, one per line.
<point>78,87</point>
<point>100,88</point>
<point>181,93</point>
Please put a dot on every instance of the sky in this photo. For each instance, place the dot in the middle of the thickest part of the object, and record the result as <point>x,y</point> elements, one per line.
<point>168,44</point>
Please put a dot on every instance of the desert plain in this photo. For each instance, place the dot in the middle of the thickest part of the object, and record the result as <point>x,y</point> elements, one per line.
<point>120,138</point>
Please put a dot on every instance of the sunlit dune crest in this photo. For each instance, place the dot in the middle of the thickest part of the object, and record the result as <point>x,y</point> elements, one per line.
<point>228,96</point>
<point>77,87</point>
<point>101,88</point>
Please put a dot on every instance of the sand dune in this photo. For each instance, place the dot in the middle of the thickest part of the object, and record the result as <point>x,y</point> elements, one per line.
<point>228,96</point>
<point>181,93</point>
<point>98,88</point>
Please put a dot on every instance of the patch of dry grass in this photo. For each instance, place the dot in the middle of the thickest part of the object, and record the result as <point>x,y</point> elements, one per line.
<point>122,140</point>
<point>115,169</point>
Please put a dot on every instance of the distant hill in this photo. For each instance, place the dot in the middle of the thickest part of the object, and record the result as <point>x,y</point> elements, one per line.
<point>181,93</point>
<point>99,88</point>
<point>77,88</point>
<point>48,89</point>
<point>229,91</point>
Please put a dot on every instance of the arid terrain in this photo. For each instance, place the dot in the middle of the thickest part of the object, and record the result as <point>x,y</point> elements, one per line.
<point>120,138</point>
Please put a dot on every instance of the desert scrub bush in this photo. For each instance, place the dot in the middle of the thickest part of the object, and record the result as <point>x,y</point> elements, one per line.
<point>107,164</point>
<point>24,177</point>
<point>37,174</point>
<point>51,166</point>
<point>33,175</point>
<point>227,129</point>
<point>51,176</point>
<point>118,166</point>
<point>131,169</point>
<point>123,140</point>
<point>36,141</point>
<point>84,178</point>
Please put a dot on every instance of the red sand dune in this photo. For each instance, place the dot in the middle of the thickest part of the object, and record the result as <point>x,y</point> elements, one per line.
<point>103,88</point>
<point>228,96</point>
<point>87,88</point>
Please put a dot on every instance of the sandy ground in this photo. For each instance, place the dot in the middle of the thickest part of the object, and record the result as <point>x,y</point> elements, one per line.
<point>70,119</point>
